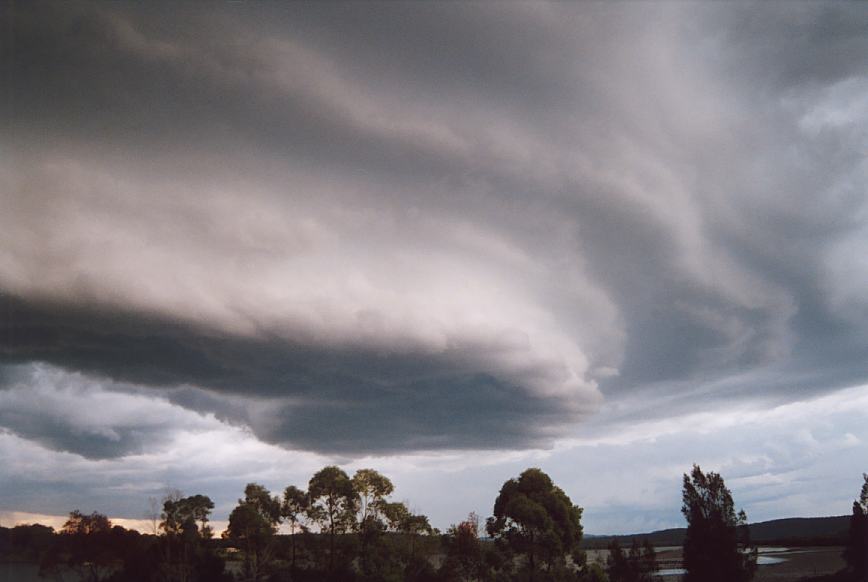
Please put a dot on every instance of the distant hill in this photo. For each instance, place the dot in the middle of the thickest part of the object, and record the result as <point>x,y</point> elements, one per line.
<point>794,531</point>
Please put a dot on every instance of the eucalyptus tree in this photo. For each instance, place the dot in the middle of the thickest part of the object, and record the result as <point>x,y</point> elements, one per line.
<point>372,489</point>
<point>333,504</point>
<point>185,525</point>
<point>252,525</point>
<point>856,551</point>
<point>712,551</point>
<point>535,519</point>
<point>293,510</point>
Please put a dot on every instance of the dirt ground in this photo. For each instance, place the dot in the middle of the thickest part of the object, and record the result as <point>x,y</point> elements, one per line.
<point>801,562</point>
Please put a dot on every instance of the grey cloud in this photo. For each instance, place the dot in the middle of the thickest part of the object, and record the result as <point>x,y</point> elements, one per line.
<point>446,221</point>
<point>86,416</point>
<point>328,400</point>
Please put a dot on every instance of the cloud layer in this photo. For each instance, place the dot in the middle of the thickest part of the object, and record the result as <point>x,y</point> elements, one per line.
<point>384,228</point>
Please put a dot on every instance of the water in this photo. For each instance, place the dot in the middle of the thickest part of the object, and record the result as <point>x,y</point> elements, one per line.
<point>768,560</point>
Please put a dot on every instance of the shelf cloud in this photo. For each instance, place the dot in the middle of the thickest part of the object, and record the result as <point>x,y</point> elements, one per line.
<point>380,228</point>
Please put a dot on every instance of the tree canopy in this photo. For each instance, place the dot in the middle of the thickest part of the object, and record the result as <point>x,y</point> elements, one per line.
<point>535,519</point>
<point>712,552</point>
<point>856,551</point>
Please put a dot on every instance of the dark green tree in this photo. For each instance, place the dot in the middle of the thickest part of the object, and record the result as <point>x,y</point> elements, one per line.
<point>86,546</point>
<point>371,489</point>
<point>648,561</point>
<point>712,552</point>
<point>293,510</point>
<point>535,519</point>
<point>333,504</point>
<point>637,565</point>
<point>400,519</point>
<point>618,564</point>
<point>252,525</point>
<point>464,553</point>
<point>185,525</point>
<point>856,551</point>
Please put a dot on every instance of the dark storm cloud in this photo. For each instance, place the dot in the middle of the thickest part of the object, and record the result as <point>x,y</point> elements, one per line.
<point>290,394</point>
<point>382,227</point>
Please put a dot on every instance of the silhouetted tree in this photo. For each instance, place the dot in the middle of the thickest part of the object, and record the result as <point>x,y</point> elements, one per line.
<point>464,554</point>
<point>648,561</point>
<point>293,510</point>
<point>400,519</point>
<point>534,518</point>
<point>371,489</point>
<point>185,524</point>
<point>638,565</point>
<point>85,546</point>
<point>333,504</point>
<point>712,552</point>
<point>252,524</point>
<point>856,552</point>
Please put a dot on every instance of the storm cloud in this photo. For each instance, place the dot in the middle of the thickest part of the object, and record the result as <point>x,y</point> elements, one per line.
<point>380,228</point>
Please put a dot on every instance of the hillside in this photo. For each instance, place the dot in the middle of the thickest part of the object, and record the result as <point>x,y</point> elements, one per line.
<point>794,531</point>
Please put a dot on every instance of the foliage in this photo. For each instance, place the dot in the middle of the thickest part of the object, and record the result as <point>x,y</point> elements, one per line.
<point>712,552</point>
<point>856,551</point>
<point>638,565</point>
<point>535,519</point>
<point>293,509</point>
<point>372,488</point>
<point>333,504</point>
<point>464,554</point>
<point>184,555</point>
<point>86,546</point>
<point>252,524</point>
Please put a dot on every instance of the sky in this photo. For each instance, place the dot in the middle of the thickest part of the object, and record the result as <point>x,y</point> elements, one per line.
<point>448,241</point>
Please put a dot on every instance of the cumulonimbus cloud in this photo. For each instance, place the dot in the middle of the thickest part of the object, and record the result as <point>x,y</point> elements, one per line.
<point>381,234</point>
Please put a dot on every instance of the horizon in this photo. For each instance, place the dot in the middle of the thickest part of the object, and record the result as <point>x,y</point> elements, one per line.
<point>446,241</point>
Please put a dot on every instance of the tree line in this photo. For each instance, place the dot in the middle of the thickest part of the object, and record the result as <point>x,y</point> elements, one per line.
<point>346,528</point>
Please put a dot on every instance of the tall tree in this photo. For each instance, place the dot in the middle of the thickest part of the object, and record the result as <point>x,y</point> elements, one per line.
<point>637,565</point>
<point>712,552</point>
<point>856,551</point>
<point>252,524</point>
<point>464,557</point>
<point>400,519</point>
<point>185,524</point>
<point>333,504</point>
<point>86,546</point>
<point>293,509</point>
<point>372,488</point>
<point>534,518</point>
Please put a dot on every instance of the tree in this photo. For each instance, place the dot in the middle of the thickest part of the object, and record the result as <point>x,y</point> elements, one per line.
<point>648,561</point>
<point>187,513</point>
<point>638,565</point>
<point>712,552</point>
<point>400,519</point>
<point>295,504</point>
<point>534,518</point>
<point>185,523</point>
<point>856,551</point>
<point>333,504</point>
<point>372,488</point>
<point>86,546</point>
<point>464,557</point>
<point>252,524</point>
<point>153,513</point>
